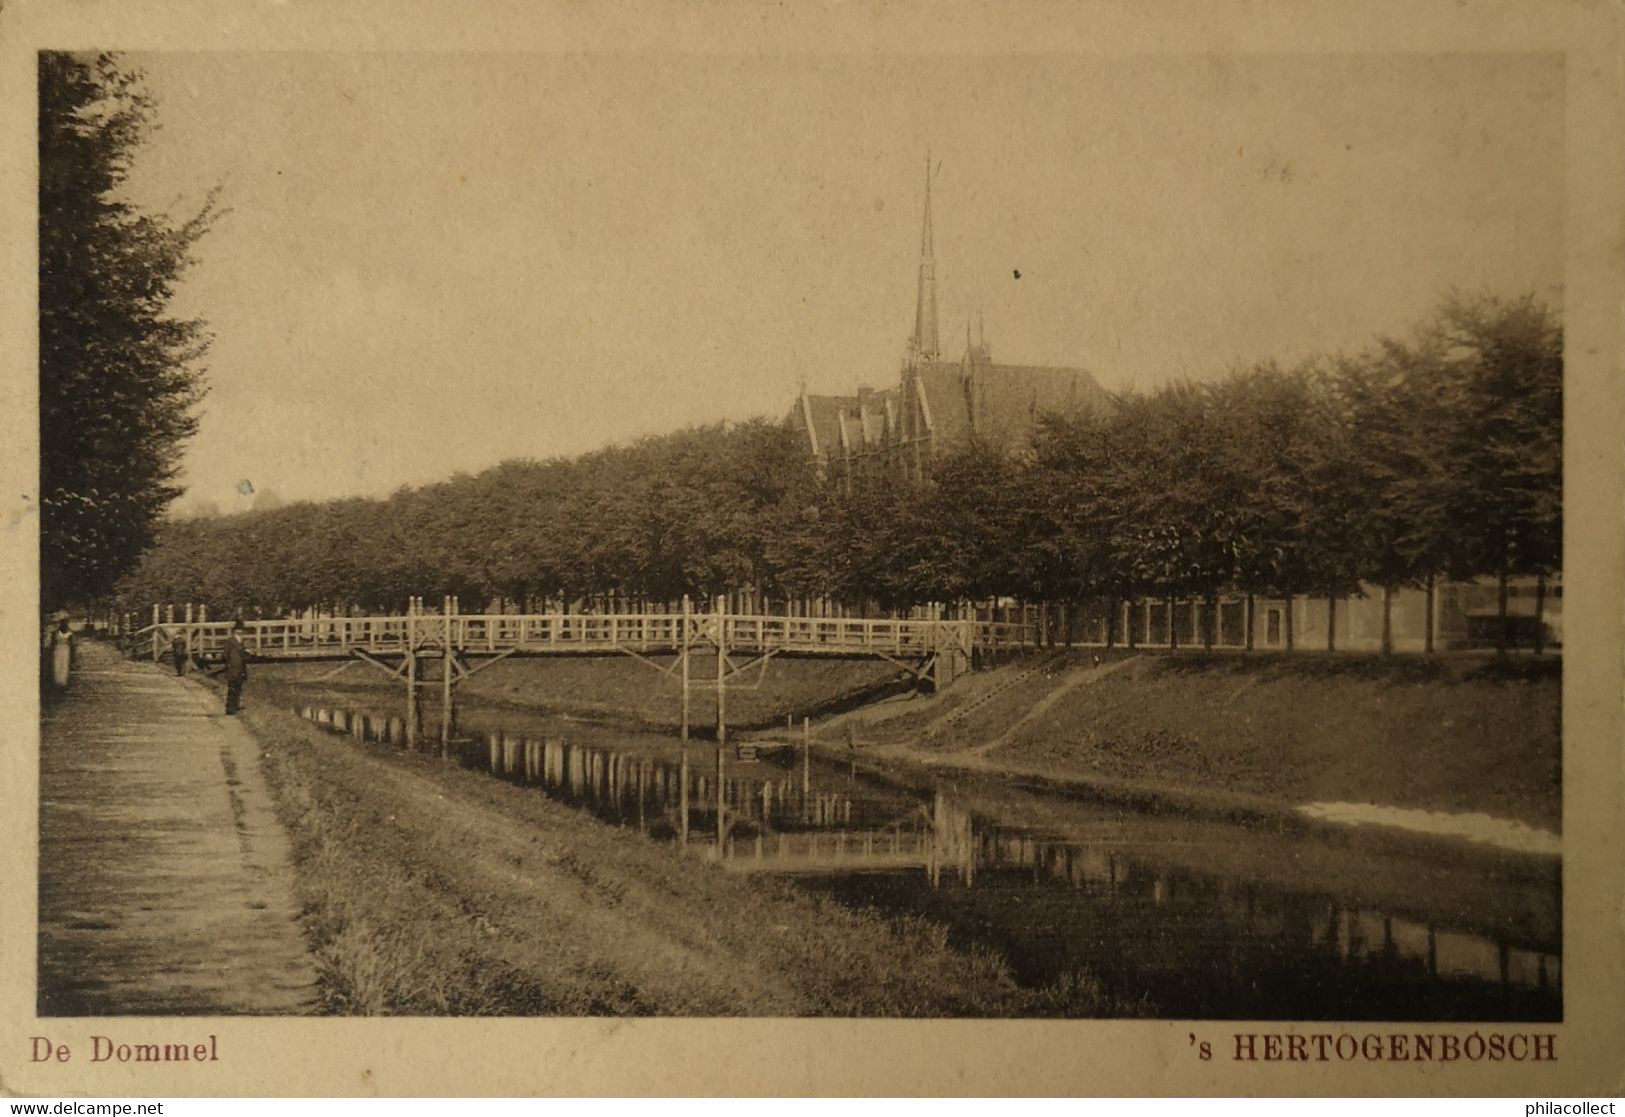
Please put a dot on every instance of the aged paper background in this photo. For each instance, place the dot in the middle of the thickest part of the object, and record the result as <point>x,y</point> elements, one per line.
<point>499,1057</point>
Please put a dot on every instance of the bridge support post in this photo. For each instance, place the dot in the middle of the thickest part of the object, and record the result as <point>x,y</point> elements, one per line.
<point>684,640</point>
<point>722,689</point>
<point>446,682</point>
<point>722,725</point>
<point>411,674</point>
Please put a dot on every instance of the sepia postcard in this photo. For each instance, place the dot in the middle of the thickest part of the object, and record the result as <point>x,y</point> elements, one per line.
<point>848,548</point>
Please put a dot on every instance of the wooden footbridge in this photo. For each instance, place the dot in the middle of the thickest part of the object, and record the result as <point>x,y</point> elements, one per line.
<point>409,646</point>
<point>933,649</point>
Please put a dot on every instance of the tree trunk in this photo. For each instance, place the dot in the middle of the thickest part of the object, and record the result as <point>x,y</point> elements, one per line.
<point>1247,621</point>
<point>1387,620</point>
<point>1286,622</point>
<point>1427,621</point>
<point>1173,626</point>
<point>1111,622</point>
<point>1540,612</point>
<point>1133,629</point>
<point>1331,621</point>
<point>1501,613</point>
<point>1211,621</point>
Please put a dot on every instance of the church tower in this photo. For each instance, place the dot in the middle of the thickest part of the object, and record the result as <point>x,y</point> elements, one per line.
<point>915,428</point>
<point>923,346</point>
<point>936,404</point>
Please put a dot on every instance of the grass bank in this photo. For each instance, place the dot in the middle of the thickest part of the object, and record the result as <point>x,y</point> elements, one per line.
<point>1458,734</point>
<point>620,690</point>
<point>431,889</point>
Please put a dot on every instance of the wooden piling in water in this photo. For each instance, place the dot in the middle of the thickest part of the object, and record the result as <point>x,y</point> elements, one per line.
<point>722,689</point>
<point>682,824</point>
<point>446,680</point>
<point>411,674</point>
<point>722,724</point>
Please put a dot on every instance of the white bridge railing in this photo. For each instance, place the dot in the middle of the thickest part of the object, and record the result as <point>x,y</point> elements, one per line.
<point>565,633</point>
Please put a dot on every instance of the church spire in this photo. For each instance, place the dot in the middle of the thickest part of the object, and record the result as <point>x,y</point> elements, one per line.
<point>925,301</point>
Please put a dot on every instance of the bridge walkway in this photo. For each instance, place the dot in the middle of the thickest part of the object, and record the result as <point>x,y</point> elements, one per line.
<point>579,634</point>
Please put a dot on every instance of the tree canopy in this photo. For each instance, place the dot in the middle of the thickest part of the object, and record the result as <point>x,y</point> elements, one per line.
<point>119,378</point>
<point>1440,454</point>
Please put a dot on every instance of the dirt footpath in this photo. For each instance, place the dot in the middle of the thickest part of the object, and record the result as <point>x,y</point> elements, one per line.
<point>164,879</point>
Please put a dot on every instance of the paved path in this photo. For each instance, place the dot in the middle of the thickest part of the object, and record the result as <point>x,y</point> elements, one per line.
<point>165,885</point>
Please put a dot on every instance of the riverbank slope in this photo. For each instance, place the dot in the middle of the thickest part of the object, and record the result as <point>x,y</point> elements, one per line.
<point>1446,734</point>
<point>432,889</point>
<point>1461,734</point>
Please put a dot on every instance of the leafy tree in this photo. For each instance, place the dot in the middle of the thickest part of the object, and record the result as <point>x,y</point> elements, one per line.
<point>978,518</point>
<point>1336,502</point>
<point>1267,416</point>
<point>118,374</point>
<point>1502,375</point>
<point>1377,434</point>
<point>1084,470</point>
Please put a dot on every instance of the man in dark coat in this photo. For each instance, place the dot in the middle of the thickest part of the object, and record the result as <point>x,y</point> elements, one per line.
<point>236,672</point>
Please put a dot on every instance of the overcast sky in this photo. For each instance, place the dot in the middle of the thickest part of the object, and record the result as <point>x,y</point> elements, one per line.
<point>435,262</point>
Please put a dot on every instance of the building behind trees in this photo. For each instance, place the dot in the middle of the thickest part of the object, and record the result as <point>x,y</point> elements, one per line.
<point>939,402</point>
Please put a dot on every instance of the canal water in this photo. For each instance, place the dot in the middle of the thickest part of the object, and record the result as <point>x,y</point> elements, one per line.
<point>1169,916</point>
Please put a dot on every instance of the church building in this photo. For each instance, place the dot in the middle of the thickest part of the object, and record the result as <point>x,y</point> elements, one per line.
<point>939,401</point>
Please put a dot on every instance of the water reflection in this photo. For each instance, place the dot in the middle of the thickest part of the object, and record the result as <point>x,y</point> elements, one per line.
<point>1138,910</point>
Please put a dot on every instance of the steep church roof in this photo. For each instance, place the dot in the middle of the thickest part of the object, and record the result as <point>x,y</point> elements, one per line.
<point>942,402</point>
<point>1000,403</point>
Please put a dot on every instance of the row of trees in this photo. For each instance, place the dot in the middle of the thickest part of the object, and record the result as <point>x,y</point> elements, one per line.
<point>1439,455</point>
<point>1442,455</point>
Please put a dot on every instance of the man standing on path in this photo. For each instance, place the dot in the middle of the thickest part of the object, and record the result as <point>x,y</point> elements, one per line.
<point>63,654</point>
<point>236,672</point>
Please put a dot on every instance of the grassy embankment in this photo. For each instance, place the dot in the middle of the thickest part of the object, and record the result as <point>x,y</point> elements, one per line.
<point>619,690</point>
<point>1449,733</point>
<point>431,889</point>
